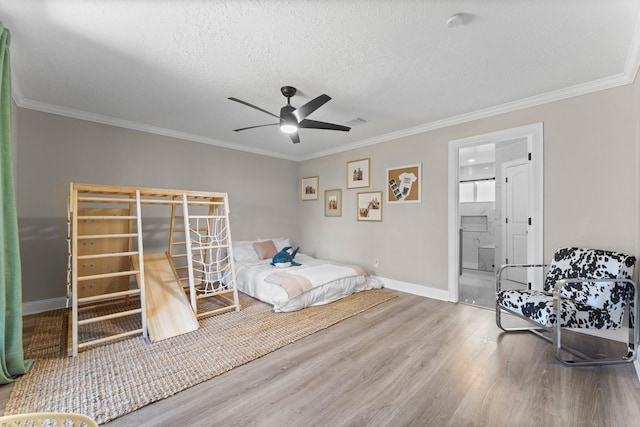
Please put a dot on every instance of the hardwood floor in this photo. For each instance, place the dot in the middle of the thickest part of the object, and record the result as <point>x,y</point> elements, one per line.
<point>409,362</point>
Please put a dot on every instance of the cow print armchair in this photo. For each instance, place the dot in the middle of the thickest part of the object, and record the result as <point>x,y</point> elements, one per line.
<point>584,288</point>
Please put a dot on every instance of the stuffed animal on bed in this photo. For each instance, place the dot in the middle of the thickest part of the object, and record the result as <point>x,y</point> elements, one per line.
<point>285,257</point>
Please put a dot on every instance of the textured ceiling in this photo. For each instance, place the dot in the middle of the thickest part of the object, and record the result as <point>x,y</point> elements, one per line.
<point>169,66</point>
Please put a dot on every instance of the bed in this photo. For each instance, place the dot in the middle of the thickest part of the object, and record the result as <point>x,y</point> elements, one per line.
<point>314,282</point>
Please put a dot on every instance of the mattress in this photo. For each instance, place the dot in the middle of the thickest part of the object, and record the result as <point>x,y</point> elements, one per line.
<point>325,282</point>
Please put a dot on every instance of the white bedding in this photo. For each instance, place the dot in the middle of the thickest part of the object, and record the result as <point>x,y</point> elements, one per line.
<point>327,287</point>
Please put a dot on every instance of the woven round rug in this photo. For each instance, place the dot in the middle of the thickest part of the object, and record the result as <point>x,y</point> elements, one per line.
<point>111,380</point>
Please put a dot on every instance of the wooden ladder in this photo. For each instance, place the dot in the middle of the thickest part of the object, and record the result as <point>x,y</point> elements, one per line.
<point>102,228</point>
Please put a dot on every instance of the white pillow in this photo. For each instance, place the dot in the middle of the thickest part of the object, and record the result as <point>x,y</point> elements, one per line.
<point>242,243</point>
<point>243,251</point>
<point>279,242</point>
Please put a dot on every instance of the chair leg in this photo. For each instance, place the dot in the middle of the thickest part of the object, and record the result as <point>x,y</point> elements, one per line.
<point>629,357</point>
<point>555,337</point>
<point>587,360</point>
<point>632,344</point>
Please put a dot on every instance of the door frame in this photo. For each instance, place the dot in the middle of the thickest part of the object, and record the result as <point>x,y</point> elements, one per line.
<point>534,135</point>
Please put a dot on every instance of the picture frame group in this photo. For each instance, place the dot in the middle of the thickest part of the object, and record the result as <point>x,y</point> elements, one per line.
<point>403,185</point>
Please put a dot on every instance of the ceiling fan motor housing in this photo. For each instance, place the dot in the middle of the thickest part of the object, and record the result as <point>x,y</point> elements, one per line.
<point>287,116</point>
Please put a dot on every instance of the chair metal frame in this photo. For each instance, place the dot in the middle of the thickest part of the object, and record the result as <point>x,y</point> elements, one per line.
<point>553,334</point>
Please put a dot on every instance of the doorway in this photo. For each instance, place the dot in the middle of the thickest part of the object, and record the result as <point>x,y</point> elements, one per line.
<point>477,210</point>
<point>511,146</point>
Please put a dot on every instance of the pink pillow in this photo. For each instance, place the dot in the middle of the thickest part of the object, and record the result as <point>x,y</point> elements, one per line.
<point>265,249</point>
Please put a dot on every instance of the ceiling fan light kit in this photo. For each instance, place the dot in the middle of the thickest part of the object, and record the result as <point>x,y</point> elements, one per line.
<point>292,119</point>
<point>288,127</point>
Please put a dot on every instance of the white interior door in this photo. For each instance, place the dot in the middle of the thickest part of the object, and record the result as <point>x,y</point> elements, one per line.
<point>516,212</point>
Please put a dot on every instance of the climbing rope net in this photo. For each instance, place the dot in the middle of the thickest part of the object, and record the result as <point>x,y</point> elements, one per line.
<point>209,254</point>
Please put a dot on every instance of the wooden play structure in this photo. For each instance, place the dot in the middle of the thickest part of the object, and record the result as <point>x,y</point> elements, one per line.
<point>170,291</point>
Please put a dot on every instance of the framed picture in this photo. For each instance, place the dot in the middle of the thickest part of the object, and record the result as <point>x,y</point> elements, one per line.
<point>333,202</point>
<point>369,206</point>
<point>358,173</point>
<point>309,189</point>
<point>403,184</point>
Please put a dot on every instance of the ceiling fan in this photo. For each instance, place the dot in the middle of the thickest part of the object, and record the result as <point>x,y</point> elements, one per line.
<point>292,119</point>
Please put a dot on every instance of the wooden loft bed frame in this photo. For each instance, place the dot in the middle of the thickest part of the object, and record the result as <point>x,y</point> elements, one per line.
<point>105,254</point>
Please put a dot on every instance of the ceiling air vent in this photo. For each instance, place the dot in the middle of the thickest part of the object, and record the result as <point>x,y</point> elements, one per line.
<point>356,122</point>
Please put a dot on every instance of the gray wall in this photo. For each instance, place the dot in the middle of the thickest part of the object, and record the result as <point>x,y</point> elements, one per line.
<point>590,188</point>
<point>56,150</point>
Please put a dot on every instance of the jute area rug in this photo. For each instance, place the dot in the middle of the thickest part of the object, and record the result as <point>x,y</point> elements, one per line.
<point>112,380</point>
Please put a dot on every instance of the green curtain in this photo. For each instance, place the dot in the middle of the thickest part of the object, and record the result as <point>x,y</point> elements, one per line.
<point>11,351</point>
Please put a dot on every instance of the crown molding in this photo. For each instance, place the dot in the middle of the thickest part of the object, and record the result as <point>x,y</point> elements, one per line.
<point>558,95</point>
<point>112,121</point>
<point>633,57</point>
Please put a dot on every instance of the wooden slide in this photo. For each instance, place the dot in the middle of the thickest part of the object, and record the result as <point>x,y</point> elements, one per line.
<point>168,310</point>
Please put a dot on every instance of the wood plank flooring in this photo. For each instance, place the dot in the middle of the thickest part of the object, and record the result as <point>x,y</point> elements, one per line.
<point>409,362</point>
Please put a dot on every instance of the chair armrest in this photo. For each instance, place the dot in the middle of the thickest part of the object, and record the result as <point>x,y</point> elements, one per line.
<point>562,282</point>
<point>507,266</point>
<point>633,311</point>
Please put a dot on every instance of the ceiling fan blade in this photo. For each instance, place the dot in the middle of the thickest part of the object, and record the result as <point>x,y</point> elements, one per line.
<point>253,106</point>
<point>253,127</point>
<point>314,124</point>
<point>295,138</point>
<point>302,112</point>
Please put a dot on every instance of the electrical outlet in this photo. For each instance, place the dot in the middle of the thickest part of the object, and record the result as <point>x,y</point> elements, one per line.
<point>376,264</point>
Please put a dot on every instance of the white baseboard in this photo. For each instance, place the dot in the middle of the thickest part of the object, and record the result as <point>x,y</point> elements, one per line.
<point>33,307</point>
<point>415,289</point>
